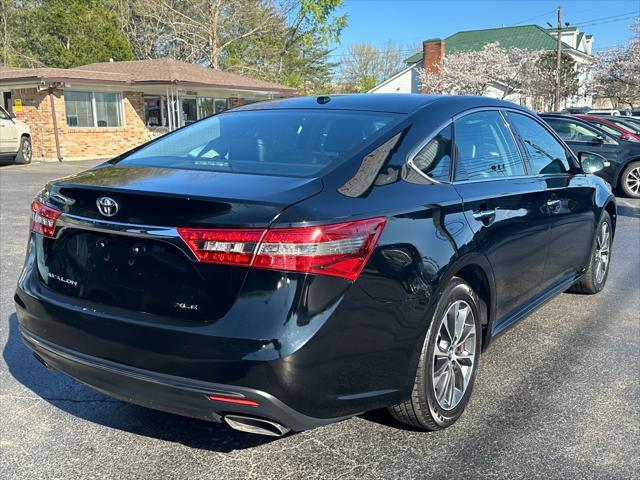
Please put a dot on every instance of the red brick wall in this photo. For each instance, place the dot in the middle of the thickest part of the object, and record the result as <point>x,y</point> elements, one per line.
<point>433,56</point>
<point>36,112</point>
<point>80,142</point>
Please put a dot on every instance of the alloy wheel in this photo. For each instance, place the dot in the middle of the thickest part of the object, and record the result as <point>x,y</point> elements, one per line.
<point>454,354</point>
<point>603,247</point>
<point>26,150</point>
<point>633,180</point>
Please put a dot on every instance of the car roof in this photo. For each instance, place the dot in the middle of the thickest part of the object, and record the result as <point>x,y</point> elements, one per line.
<point>380,102</point>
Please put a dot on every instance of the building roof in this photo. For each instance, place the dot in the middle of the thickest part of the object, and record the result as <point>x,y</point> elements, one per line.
<point>527,37</point>
<point>141,72</point>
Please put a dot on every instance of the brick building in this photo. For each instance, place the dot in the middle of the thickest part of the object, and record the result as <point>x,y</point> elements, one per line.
<point>103,109</point>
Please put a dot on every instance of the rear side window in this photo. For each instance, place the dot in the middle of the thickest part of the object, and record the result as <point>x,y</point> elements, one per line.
<point>547,155</point>
<point>485,148</point>
<point>296,142</point>
<point>434,159</point>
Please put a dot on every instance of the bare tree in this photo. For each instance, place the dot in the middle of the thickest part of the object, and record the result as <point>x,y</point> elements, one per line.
<point>364,66</point>
<point>197,31</point>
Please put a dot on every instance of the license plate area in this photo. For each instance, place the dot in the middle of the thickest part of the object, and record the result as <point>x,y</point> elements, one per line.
<point>140,274</point>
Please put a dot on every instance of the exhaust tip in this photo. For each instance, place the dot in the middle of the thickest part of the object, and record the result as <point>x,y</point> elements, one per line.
<point>255,425</point>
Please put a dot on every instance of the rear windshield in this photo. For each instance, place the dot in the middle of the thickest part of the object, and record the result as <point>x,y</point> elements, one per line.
<point>300,143</point>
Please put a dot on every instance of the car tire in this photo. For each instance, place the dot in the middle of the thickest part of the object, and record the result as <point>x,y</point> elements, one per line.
<point>25,151</point>
<point>433,404</point>
<point>630,180</point>
<point>595,276</point>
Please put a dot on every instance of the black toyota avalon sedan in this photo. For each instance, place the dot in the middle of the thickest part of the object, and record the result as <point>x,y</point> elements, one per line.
<point>292,263</point>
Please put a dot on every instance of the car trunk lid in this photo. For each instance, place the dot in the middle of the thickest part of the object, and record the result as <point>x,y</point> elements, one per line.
<point>117,260</point>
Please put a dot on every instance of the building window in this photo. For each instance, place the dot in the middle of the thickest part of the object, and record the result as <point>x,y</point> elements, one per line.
<point>155,111</point>
<point>209,105</point>
<point>93,109</point>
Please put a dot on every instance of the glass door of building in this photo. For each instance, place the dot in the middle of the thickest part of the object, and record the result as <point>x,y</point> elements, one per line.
<point>189,113</point>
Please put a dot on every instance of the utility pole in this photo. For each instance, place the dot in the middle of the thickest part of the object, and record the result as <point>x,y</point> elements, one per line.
<point>556,103</point>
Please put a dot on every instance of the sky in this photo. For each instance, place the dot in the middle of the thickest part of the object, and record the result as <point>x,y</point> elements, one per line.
<point>408,22</point>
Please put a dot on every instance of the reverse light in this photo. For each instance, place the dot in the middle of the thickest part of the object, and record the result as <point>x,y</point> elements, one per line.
<point>339,250</point>
<point>43,218</point>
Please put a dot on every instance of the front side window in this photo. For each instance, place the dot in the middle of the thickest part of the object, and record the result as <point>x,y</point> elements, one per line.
<point>547,155</point>
<point>485,148</point>
<point>609,129</point>
<point>4,115</point>
<point>93,109</point>
<point>434,159</point>
<point>573,131</point>
<point>298,142</point>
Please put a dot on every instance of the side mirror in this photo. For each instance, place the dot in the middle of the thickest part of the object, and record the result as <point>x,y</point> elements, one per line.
<point>12,115</point>
<point>591,162</point>
<point>597,140</point>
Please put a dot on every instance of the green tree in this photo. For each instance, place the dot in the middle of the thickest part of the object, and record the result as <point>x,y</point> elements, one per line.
<point>541,82</point>
<point>65,33</point>
<point>284,41</point>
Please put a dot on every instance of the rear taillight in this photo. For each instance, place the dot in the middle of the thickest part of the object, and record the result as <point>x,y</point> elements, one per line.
<point>231,247</point>
<point>43,218</point>
<point>339,250</point>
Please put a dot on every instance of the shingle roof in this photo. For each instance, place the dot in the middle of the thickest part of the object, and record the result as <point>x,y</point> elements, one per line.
<point>174,71</point>
<point>56,74</point>
<point>145,72</point>
<point>528,37</point>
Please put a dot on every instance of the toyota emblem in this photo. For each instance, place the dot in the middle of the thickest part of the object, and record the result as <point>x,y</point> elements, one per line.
<point>107,206</point>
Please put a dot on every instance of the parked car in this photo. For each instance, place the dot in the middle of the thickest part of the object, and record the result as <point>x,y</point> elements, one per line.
<point>630,112</point>
<point>292,263</point>
<point>15,139</point>
<point>617,129</point>
<point>574,110</point>
<point>614,113</point>
<point>630,123</point>
<point>622,166</point>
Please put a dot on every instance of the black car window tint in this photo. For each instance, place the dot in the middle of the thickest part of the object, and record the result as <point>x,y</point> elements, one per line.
<point>434,159</point>
<point>295,142</point>
<point>485,148</point>
<point>546,153</point>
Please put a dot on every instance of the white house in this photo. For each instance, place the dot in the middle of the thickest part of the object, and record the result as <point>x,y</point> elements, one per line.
<point>529,37</point>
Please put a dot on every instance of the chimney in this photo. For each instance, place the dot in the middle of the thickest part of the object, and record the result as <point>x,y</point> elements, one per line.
<point>433,55</point>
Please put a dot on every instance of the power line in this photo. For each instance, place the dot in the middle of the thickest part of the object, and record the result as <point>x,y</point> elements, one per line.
<point>607,19</point>
<point>535,18</point>
<point>588,23</point>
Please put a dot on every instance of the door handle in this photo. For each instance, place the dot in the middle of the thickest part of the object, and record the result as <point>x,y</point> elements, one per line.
<point>553,205</point>
<point>484,215</point>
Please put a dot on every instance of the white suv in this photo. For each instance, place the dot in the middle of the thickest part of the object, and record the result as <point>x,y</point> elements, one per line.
<point>15,139</point>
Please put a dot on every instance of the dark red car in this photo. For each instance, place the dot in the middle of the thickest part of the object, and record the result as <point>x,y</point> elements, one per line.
<point>611,127</point>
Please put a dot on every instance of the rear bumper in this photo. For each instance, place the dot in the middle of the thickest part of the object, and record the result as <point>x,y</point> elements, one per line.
<point>309,349</point>
<point>168,393</point>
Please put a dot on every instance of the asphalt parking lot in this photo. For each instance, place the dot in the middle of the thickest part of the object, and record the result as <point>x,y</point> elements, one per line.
<point>556,397</point>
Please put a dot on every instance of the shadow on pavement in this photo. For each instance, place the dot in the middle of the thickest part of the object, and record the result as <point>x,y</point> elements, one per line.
<point>79,400</point>
<point>627,211</point>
